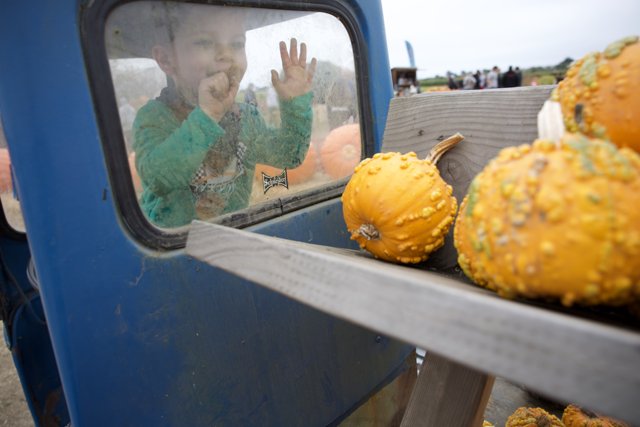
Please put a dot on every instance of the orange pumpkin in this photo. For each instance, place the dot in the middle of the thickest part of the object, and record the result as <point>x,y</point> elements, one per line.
<point>574,416</point>
<point>137,184</point>
<point>600,96</point>
<point>341,151</point>
<point>5,171</point>
<point>297,175</point>
<point>397,206</point>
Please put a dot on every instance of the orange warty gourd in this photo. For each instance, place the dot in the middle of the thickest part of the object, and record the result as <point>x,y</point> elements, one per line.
<point>341,151</point>
<point>135,178</point>
<point>6,183</point>
<point>397,206</point>
<point>532,417</point>
<point>574,416</point>
<point>555,220</point>
<point>600,95</point>
<point>296,175</point>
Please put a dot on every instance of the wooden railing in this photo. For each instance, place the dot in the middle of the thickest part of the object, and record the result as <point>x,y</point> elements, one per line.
<point>470,334</point>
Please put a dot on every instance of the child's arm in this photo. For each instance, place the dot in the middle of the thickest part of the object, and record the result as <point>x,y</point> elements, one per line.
<point>288,145</point>
<point>168,152</point>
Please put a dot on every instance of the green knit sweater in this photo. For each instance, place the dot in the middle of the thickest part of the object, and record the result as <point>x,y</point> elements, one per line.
<point>170,152</point>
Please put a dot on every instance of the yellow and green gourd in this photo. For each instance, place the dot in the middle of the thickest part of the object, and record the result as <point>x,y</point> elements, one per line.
<point>574,416</point>
<point>532,417</point>
<point>555,221</point>
<point>397,207</point>
<point>600,96</point>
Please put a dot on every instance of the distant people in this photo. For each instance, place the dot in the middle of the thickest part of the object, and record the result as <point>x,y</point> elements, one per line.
<point>493,78</point>
<point>469,82</point>
<point>510,78</point>
<point>451,83</point>
<point>342,103</point>
<point>480,79</point>
<point>250,95</point>
<point>518,76</point>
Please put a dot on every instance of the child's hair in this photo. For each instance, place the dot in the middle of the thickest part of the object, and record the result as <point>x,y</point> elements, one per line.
<point>167,17</point>
<point>134,28</point>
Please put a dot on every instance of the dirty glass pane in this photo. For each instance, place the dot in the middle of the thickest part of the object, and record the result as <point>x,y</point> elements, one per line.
<point>10,203</point>
<point>209,127</point>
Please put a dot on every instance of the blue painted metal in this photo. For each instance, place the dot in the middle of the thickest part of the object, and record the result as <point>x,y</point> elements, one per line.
<point>36,365</point>
<point>371,23</point>
<point>148,338</point>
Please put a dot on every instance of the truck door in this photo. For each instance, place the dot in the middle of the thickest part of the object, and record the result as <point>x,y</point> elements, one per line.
<point>141,333</point>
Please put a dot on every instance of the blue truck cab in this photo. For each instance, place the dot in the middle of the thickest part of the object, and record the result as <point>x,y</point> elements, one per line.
<point>108,320</point>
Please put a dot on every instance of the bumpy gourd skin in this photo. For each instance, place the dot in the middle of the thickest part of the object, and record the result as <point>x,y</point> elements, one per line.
<point>574,416</point>
<point>555,221</point>
<point>532,417</point>
<point>600,95</point>
<point>397,207</point>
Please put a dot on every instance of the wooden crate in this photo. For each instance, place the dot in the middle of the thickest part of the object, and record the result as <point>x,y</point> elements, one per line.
<point>583,356</point>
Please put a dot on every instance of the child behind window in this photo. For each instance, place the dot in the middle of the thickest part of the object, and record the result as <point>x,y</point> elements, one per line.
<point>196,148</point>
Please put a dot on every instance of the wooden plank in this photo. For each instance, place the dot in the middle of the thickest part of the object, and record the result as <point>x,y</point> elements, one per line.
<point>448,394</point>
<point>489,120</point>
<point>570,359</point>
<point>386,407</point>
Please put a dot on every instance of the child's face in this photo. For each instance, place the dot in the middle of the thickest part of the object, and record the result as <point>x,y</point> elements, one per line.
<point>207,42</point>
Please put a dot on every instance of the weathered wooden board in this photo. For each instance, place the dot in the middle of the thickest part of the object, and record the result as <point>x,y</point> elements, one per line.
<point>448,394</point>
<point>489,120</point>
<point>567,358</point>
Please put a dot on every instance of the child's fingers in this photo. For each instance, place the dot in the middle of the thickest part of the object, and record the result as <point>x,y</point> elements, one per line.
<point>275,79</point>
<point>234,80</point>
<point>312,69</point>
<point>293,55</point>
<point>234,87</point>
<point>284,55</point>
<point>218,85</point>
<point>303,55</point>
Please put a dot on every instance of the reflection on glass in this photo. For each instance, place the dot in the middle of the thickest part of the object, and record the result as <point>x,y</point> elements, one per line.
<point>224,107</point>
<point>10,203</point>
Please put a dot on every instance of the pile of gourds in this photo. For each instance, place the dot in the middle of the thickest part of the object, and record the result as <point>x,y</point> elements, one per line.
<point>572,416</point>
<point>556,219</point>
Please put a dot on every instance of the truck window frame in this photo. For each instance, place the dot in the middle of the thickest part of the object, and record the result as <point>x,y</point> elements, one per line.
<point>92,20</point>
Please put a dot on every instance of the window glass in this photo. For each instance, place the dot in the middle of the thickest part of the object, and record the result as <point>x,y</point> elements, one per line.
<point>10,203</point>
<point>209,127</point>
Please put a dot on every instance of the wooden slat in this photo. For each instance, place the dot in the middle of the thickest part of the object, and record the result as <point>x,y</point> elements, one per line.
<point>570,359</point>
<point>448,394</point>
<point>489,120</point>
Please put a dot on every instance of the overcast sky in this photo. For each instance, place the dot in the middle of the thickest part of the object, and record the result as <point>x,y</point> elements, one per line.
<point>472,34</point>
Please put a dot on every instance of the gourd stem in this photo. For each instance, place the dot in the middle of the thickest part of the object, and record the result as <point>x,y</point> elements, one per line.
<point>369,232</point>
<point>443,146</point>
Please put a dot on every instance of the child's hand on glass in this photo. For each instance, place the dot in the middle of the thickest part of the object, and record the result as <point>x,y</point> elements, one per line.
<point>297,75</point>
<point>217,93</point>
